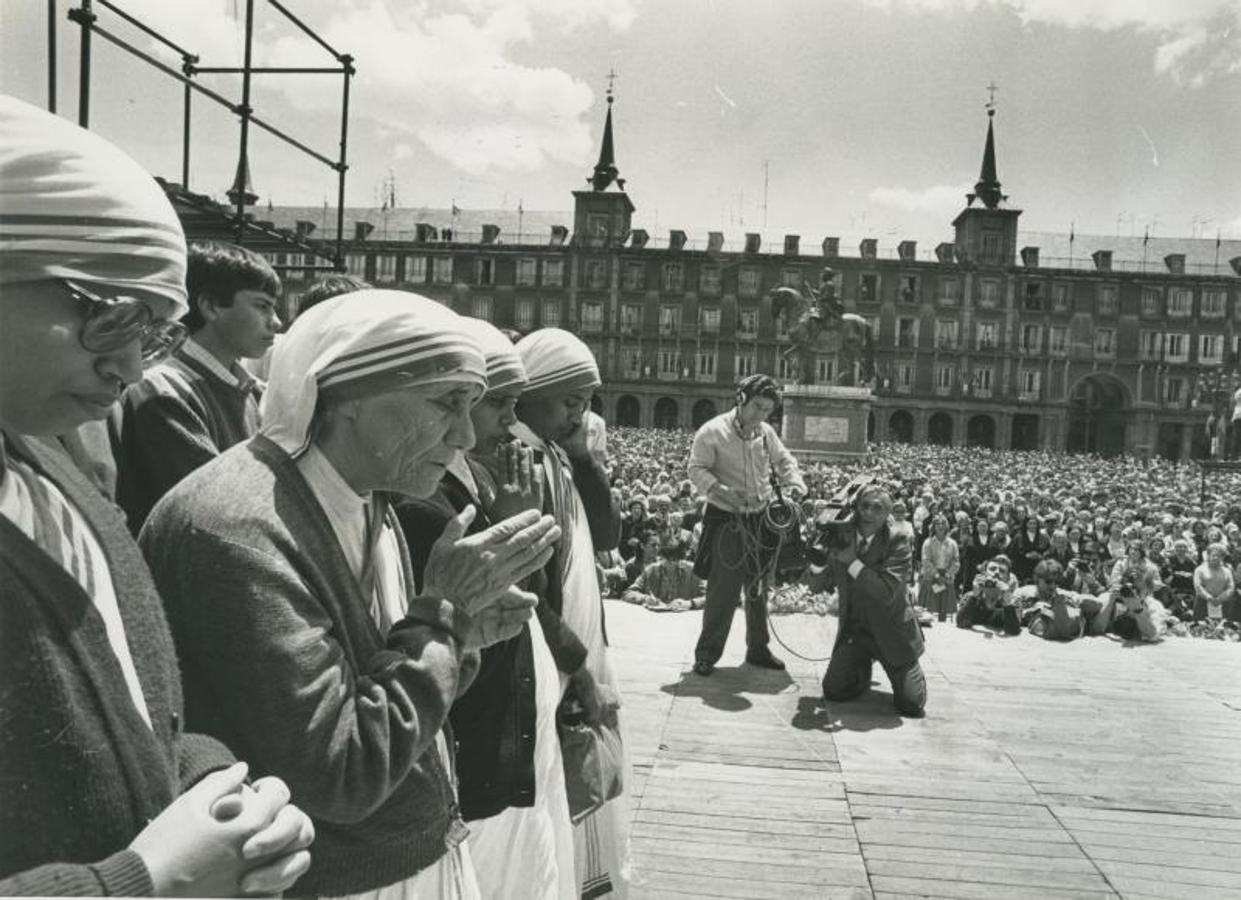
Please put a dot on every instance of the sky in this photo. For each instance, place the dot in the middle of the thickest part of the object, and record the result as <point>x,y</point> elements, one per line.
<point>854,118</point>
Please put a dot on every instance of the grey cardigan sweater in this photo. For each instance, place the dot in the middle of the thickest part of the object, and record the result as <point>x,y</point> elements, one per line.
<point>282,661</point>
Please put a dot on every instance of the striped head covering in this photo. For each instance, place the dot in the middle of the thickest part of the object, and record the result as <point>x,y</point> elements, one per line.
<point>557,361</point>
<point>359,345</point>
<point>504,368</point>
<point>74,206</point>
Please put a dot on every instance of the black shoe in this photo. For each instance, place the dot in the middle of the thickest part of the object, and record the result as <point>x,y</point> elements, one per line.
<point>765,660</point>
<point>703,668</point>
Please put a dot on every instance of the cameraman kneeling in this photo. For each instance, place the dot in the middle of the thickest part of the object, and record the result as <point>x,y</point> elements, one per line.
<point>877,620</point>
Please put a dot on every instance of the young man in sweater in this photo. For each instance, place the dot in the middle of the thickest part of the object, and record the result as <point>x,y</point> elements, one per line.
<point>101,792</point>
<point>199,403</point>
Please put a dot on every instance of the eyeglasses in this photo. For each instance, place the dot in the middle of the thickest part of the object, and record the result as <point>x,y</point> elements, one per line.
<point>112,323</point>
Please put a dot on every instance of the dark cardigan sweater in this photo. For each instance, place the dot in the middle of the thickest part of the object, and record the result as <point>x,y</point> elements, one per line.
<point>80,772</point>
<point>179,417</point>
<point>283,662</point>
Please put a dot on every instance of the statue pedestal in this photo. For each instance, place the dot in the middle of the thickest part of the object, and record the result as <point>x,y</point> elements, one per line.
<point>824,422</point>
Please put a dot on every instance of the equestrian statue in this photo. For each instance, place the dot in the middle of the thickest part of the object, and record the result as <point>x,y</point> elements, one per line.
<point>818,324</point>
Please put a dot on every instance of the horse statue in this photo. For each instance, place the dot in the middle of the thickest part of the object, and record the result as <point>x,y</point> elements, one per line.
<point>819,324</point>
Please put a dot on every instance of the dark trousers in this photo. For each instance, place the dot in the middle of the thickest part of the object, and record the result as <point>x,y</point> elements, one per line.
<point>728,576</point>
<point>849,670</point>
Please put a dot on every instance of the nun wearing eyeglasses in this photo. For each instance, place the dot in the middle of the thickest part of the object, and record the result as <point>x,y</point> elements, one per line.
<point>101,791</point>
<point>289,589</point>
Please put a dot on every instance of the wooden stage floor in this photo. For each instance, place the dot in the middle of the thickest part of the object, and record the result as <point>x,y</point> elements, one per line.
<point>1090,769</point>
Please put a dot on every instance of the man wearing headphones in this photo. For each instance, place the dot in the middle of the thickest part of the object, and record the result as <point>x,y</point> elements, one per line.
<point>877,621</point>
<point>736,463</point>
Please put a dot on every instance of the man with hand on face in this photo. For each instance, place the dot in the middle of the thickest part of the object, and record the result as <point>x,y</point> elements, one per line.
<point>735,458</point>
<point>201,401</point>
<point>101,792</point>
<point>877,620</point>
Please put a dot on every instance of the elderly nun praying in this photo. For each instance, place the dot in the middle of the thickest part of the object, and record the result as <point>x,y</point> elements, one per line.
<point>291,597</point>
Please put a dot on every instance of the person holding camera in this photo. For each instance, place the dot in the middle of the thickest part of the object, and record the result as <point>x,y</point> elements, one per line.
<point>992,601</point>
<point>738,462</point>
<point>1129,609</point>
<point>877,619</point>
<point>1054,614</point>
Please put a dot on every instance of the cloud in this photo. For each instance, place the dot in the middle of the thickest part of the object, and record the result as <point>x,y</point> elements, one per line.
<point>449,80</point>
<point>941,199</point>
<point>1199,39</point>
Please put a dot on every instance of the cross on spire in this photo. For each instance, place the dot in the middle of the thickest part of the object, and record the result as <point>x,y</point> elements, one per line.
<point>991,89</point>
<point>611,79</point>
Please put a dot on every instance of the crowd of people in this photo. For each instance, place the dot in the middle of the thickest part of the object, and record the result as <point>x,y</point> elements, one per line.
<point>1134,542</point>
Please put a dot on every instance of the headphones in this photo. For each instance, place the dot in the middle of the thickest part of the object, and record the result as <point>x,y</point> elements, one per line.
<point>756,385</point>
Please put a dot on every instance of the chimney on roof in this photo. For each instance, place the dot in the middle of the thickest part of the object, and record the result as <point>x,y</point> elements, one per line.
<point>1175,263</point>
<point>945,252</point>
<point>791,244</point>
<point>715,241</point>
<point>831,246</point>
<point>560,234</point>
<point>1029,257</point>
<point>638,238</point>
<point>490,233</point>
<point>362,230</point>
<point>869,248</point>
<point>424,233</point>
<point>907,250</point>
<point>1102,260</point>
<point>446,235</point>
<point>304,228</point>
<point>753,241</point>
<point>676,239</point>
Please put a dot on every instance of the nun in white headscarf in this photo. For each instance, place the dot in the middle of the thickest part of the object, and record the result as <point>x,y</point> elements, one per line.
<point>290,593</point>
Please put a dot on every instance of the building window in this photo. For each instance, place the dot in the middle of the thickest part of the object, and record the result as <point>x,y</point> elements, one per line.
<point>553,273</point>
<point>631,318</point>
<point>1177,347</point>
<point>787,368</point>
<point>904,378</point>
<point>672,278</point>
<point>1150,301</point>
<point>1105,341</point>
<point>527,271</point>
<point>825,370</point>
<point>709,280</point>
<point>705,370</point>
<point>669,365</point>
<point>745,365</point>
<point>1033,297</point>
<point>1210,349</point>
<point>486,269</point>
<point>1107,303</point>
<point>710,320</point>
<point>945,377</point>
<point>416,269</point>
<point>355,264</point>
<point>669,320</point>
<point>1031,338</point>
<point>597,226</point>
<point>992,247</point>
<point>782,327</point>
<point>441,273</point>
<point>635,276</point>
<point>1213,304</point>
<point>747,323</point>
<point>906,332</point>
<point>1028,384</point>
<point>1174,390</point>
<point>592,317</point>
<point>791,277</point>
<point>907,289</point>
<point>385,267</point>
<point>1058,340</point>
<point>989,293</point>
<point>523,315</point>
<point>480,308</point>
<point>551,313</point>
<point>1059,297</point>
<point>749,281</point>
<point>631,363</point>
<point>595,274</point>
<point>1150,345</point>
<point>946,332</point>
<point>982,381</point>
<point>949,291</point>
<point>868,288</point>
<point>1180,303</point>
<point>988,335</point>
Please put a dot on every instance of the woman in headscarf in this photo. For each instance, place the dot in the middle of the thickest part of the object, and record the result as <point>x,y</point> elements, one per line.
<point>510,771</point>
<point>290,593</point>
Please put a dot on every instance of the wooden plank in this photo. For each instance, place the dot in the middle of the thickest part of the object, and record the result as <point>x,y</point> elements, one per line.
<point>841,840</point>
<point>1001,876</point>
<point>847,857</point>
<point>927,887</point>
<point>979,856</point>
<point>772,875</point>
<point>692,819</point>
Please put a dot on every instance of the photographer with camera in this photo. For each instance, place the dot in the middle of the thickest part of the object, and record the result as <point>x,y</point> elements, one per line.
<point>1054,613</point>
<point>877,619</point>
<point>1130,609</point>
<point>992,601</point>
<point>739,463</point>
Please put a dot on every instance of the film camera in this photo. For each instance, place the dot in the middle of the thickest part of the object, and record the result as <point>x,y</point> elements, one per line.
<point>835,523</point>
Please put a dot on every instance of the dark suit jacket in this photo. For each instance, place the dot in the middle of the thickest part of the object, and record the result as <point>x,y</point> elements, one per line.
<point>878,602</point>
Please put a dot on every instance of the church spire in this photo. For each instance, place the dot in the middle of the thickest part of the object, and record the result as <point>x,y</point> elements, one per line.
<point>987,189</point>
<point>605,169</point>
